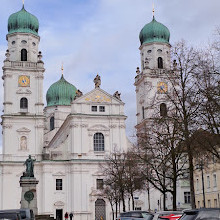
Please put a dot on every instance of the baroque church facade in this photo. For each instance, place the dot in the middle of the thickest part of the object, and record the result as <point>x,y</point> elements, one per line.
<point>68,139</point>
<point>73,134</point>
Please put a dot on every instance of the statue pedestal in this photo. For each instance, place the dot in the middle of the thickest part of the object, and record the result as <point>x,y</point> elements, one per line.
<point>29,193</point>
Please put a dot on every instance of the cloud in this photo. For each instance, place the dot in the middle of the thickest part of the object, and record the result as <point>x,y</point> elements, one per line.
<point>101,36</point>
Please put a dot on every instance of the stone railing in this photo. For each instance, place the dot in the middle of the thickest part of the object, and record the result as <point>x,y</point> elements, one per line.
<point>23,64</point>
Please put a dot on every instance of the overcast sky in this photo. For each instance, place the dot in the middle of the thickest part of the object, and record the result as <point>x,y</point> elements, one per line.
<point>102,36</point>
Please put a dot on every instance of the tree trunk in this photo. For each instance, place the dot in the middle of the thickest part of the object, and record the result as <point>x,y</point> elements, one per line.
<point>148,195</point>
<point>164,201</point>
<point>132,198</point>
<point>123,201</point>
<point>174,197</point>
<point>113,214</point>
<point>191,180</point>
<point>116,207</point>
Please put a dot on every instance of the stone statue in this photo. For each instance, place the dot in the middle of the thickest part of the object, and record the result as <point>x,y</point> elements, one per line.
<point>78,94</point>
<point>23,143</point>
<point>117,95</point>
<point>97,81</point>
<point>29,167</point>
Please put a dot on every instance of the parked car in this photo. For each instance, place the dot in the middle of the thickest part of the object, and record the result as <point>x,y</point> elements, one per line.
<point>10,215</point>
<point>201,214</point>
<point>26,214</point>
<point>170,217</point>
<point>135,215</point>
<point>161,214</point>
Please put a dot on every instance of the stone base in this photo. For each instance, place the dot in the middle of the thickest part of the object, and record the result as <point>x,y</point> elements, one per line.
<point>29,193</point>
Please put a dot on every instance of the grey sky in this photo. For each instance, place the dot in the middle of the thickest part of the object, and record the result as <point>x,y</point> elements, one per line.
<point>101,36</point>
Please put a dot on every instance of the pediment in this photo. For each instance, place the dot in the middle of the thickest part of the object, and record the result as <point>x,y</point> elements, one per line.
<point>59,203</point>
<point>98,96</point>
<point>99,127</point>
<point>59,174</point>
<point>23,130</point>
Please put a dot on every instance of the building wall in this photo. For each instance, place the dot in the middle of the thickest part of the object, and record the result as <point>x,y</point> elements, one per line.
<point>211,186</point>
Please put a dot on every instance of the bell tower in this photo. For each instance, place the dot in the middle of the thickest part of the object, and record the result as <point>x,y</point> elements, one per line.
<point>23,74</point>
<point>150,81</point>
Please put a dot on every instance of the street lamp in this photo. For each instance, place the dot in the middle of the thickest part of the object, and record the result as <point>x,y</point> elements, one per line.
<point>201,166</point>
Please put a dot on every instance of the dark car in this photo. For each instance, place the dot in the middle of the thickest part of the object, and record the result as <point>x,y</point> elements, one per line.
<point>201,214</point>
<point>26,214</point>
<point>10,215</point>
<point>133,215</point>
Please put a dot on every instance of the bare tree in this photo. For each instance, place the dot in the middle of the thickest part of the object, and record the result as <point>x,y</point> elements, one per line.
<point>163,157</point>
<point>114,171</point>
<point>135,181</point>
<point>122,178</point>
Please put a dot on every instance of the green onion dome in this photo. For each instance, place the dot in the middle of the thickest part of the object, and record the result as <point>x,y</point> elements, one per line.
<point>61,93</point>
<point>23,22</point>
<point>154,32</point>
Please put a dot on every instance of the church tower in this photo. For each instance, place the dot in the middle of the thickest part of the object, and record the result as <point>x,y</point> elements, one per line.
<point>23,73</point>
<point>150,81</point>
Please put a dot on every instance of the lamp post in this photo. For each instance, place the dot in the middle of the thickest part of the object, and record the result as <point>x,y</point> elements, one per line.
<point>201,166</point>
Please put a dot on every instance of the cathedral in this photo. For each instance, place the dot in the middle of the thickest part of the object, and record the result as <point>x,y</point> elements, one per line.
<point>73,134</point>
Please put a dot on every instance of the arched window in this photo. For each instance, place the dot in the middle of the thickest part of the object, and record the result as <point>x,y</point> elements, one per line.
<point>100,212</point>
<point>23,55</point>
<point>163,110</point>
<point>99,142</point>
<point>51,123</point>
<point>24,104</point>
<point>160,62</point>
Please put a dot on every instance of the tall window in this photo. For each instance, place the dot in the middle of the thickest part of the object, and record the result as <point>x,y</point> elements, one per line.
<point>209,203</point>
<point>197,184</point>
<point>160,62</point>
<point>23,55</point>
<point>163,110</point>
<point>99,183</point>
<point>23,104</point>
<point>208,182</point>
<point>187,198</point>
<point>214,180</point>
<point>51,123</point>
<point>59,184</point>
<point>99,142</point>
<point>215,203</point>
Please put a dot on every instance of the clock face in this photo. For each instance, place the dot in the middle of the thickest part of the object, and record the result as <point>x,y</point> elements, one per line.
<point>162,87</point>
<point>24,81</point>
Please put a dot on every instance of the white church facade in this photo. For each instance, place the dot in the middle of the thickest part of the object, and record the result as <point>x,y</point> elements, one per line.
<point>68,139</point>
<point>73,134</point>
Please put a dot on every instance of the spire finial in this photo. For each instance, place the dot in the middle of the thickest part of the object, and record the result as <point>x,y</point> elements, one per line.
<point>62,68</point>
<point>23,2</point>
<point>153,9</point>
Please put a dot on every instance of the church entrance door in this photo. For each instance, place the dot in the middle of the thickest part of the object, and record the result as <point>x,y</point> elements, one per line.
<point>59,214</point>
<point>100,213</point>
